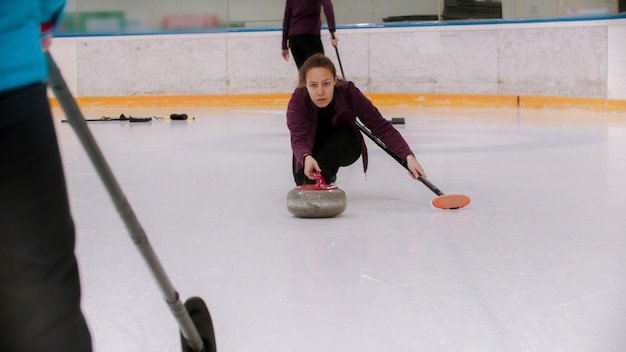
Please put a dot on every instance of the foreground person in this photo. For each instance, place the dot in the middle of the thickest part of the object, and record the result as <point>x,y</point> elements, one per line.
<point>39,280</point>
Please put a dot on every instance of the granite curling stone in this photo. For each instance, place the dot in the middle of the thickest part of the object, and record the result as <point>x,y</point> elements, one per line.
<point>319,200</point>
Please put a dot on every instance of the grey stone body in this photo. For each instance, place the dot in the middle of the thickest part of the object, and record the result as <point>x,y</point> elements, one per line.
<point>316,203</point>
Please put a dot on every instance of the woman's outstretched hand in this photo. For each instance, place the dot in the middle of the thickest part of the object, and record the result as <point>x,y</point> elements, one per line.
<point>415,169</point>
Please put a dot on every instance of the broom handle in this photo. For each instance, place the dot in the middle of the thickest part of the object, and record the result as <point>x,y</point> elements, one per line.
<point>77,121</point>
<point>332,34</point>
<point>396,157</point>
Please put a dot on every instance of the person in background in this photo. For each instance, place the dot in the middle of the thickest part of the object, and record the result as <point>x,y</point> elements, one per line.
<point>321,117</point>
<point>302,26</point>
<point>39,279</point>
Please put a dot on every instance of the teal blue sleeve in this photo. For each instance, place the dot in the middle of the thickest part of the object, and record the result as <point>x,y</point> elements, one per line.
<point>51,13</point>
<point>21,22</point>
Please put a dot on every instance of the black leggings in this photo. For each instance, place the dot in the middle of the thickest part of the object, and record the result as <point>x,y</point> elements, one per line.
<point>39,281</point>
<point>341,148</point>
<point>304,46</point>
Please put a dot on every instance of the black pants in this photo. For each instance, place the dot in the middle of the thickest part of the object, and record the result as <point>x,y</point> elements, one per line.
<point>39,281</point>
<point>304,46</point>
<point>341,148</point>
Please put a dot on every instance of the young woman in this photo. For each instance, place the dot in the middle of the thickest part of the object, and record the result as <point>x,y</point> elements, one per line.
<point>301,28</point>
<point>321,117</point>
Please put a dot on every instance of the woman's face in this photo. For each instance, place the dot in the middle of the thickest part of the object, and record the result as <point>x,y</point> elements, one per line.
<point>320,83</point>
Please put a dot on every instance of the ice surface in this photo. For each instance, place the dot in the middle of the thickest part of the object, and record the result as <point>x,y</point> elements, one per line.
<point>537,261</point>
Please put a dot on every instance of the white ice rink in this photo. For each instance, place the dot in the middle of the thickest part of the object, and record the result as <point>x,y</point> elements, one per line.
<point>537,261</point>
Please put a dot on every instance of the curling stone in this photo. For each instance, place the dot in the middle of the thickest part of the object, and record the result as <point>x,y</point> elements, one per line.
<point>319,200</point>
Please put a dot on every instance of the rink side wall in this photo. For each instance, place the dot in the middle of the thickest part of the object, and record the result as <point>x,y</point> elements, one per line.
<point>569,63</point>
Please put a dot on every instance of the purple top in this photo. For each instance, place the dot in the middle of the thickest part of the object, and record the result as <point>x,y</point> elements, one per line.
<point>349,103</point>
<point>303,17</point>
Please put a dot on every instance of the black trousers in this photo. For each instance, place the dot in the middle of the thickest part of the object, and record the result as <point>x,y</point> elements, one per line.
<point>304,46</point>
<point>39,280</point>
<point>342,147</point>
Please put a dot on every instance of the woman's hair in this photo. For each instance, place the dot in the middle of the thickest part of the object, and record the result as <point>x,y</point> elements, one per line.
<point>316,60</point>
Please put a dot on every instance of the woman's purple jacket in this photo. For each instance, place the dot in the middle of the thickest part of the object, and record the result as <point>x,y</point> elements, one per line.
<point>349,103</point>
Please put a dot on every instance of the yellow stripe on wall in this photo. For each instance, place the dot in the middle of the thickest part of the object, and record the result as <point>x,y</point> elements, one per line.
<point>579,103</point>
<point>161,101</point>
<point>390,100</point>
<point>443,100</point>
